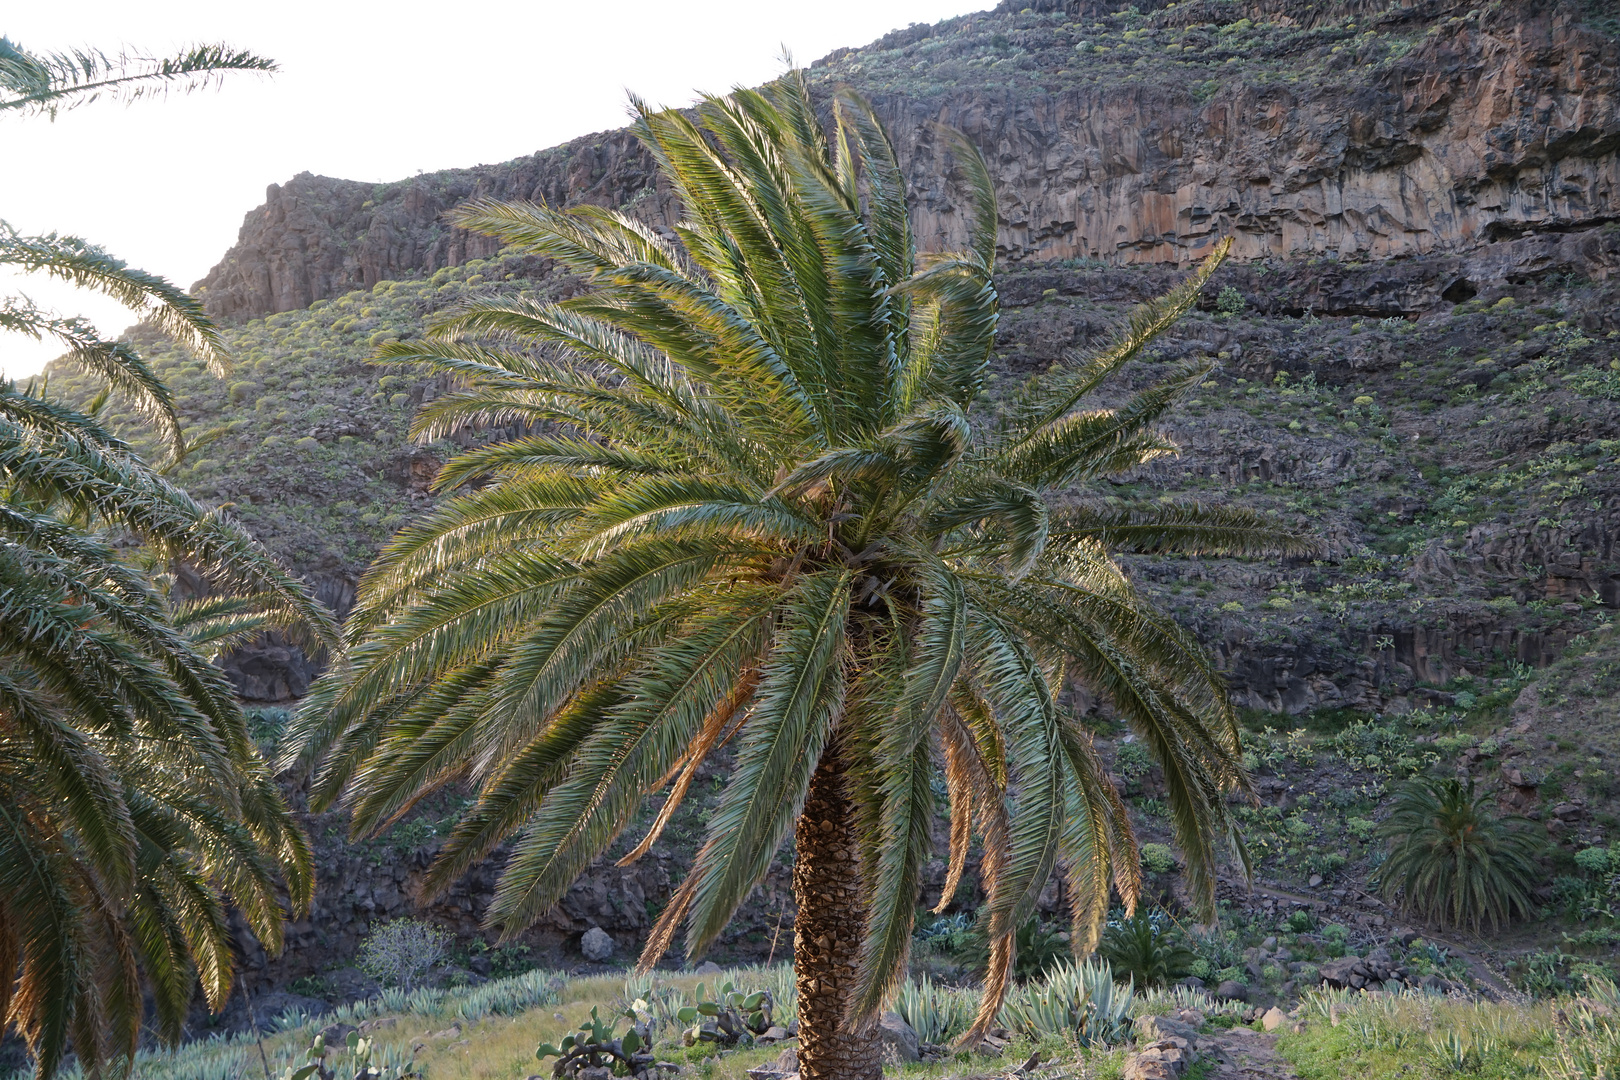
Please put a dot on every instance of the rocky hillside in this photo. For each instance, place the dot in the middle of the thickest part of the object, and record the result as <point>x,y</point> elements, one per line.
<point>1418,349</point>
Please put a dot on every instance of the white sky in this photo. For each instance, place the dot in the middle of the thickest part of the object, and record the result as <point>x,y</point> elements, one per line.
<point>367,91</point>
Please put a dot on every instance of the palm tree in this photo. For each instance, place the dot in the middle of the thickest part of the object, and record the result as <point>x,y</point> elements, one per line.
<point>1145,949</point>
<point>762,506</point>
<point>133,804</point>
<point>1452,860</point>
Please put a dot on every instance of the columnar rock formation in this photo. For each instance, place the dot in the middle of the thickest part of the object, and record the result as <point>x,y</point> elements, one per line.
<point>1494,138</point>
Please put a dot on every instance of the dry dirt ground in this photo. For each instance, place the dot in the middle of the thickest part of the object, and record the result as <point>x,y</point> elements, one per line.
<point>1244,1054</point>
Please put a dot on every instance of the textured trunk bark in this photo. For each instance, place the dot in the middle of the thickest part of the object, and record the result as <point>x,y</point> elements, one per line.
<point>827,932</point>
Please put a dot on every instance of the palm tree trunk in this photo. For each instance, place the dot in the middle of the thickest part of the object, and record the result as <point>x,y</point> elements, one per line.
<point>827,931</point>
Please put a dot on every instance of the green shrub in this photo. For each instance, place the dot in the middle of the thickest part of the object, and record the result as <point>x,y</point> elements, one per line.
<point>1326,863</point>
<point>1452,860</point>
<point>1158,858</point>
<point>1365,742</point>
<point>1132,761</point>
<point>1595,860</point>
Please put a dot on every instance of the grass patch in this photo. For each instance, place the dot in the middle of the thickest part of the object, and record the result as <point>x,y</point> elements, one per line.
<point>1422,1035</point>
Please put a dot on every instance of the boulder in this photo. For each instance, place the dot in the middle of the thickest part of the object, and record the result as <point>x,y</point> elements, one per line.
<point>785,1065</point>
<point>1231,990</point>
<point>1273,1019</point>
<point>708,967</point>
<point>1339,972</point>
<point>1153,1028</point>
<point>1165,1059</point>
<point>596,945</point>
<point>898,1036</point>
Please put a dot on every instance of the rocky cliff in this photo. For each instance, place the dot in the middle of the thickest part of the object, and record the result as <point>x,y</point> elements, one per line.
<point>1489,134</point>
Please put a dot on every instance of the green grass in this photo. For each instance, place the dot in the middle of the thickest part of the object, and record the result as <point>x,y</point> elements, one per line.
<point>491,1032</point>
<point>1387,1036</point>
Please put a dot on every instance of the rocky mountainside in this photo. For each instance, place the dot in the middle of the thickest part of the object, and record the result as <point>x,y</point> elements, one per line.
<point>1418,357</point>
<point>1487,133</point>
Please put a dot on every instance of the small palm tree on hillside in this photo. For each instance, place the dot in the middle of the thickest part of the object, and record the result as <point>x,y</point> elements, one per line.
<point>1453,861</point>
<point>134,806</point>
<point>762,509</point>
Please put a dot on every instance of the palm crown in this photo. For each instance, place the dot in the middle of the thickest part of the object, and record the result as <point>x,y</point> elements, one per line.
<point>759,507</point>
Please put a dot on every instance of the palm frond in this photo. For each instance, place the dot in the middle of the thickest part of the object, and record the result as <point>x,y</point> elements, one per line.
<point>81,263</point>
<point>1180,529</point>
<point>49,82</point>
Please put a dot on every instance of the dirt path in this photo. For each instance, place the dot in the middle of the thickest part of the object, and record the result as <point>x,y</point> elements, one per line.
<point>1244,1054</point>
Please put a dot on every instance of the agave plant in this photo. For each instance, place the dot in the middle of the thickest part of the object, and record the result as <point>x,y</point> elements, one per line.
<point>1081,1003</point>
<point>761,506</point>
<point>1452,860</point>
<point>134,808</point>
<point>936,1013</point>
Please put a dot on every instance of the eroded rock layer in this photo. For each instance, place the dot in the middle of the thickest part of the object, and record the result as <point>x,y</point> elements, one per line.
<point>1423,129</point>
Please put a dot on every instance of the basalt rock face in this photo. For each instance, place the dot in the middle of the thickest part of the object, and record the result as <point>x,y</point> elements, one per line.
<point>316,237</point>
<point>1493,139</point>
<point>1486,131</point>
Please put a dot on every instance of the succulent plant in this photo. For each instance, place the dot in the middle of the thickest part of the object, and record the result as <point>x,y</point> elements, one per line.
<point>731,1018</point>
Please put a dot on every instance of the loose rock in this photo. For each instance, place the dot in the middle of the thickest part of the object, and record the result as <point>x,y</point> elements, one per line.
<point>898,1036</point>
<point>596,944</point>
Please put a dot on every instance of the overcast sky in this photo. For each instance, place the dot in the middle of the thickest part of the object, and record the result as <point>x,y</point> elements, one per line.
<point>366,91</point>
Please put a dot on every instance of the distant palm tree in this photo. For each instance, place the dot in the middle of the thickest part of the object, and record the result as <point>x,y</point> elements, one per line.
<point>764,506</point>
<point>1452,860</point>
<point>133,803</point>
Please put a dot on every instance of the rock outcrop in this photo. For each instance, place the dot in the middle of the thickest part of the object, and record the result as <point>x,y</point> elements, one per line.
<point>1493,139</point>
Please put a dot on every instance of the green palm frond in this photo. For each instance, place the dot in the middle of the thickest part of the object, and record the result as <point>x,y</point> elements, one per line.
<point>1179,529</point>
<point>115,362</point>
<point>81,263</point>
<point>46,83</point>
